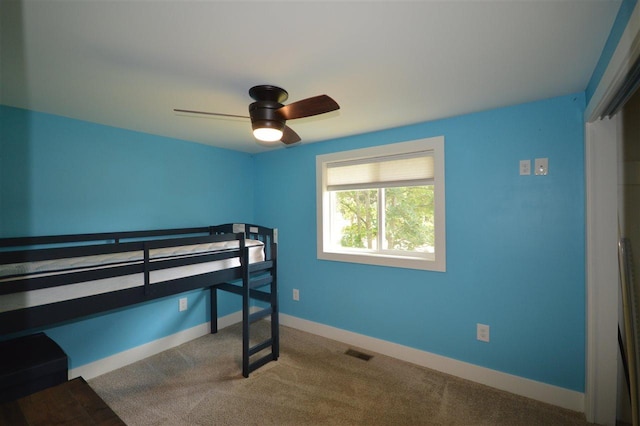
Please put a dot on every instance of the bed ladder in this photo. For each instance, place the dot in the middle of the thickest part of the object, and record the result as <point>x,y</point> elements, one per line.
<point>255,279</point>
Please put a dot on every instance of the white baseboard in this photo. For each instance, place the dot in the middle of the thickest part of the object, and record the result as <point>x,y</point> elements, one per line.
<point>539,391</point>
<point>121,359</point>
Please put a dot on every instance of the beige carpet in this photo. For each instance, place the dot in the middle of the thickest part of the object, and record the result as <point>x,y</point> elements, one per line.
<point>313,383</point>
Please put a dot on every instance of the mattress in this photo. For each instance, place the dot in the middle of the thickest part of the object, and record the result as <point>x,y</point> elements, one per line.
<point>27,270</point>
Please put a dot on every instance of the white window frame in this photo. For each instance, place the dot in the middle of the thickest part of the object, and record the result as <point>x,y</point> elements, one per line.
<point>324,250</point>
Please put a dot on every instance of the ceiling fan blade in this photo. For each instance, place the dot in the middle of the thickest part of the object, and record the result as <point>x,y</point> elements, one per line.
<point>186,111</point>
<point>308,107</point>
<point>289,136</point>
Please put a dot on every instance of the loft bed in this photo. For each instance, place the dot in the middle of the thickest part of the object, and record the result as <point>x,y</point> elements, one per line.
<point>52,279</point>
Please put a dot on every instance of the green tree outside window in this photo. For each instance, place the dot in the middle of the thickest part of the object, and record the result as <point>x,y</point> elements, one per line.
<point>408,218</point>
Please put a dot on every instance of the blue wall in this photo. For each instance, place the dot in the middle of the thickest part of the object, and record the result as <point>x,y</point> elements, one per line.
<point>515,245</point>
<point>60,176</point>
<point>67,176</point>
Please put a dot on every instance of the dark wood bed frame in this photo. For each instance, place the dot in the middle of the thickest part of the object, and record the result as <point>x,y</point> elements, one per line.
<point>251,281</point>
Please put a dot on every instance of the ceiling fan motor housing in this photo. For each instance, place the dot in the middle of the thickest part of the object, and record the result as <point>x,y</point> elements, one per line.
<point>265,114</point>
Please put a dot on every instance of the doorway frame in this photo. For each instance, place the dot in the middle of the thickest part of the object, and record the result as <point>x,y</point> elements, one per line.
<point>602,141</point>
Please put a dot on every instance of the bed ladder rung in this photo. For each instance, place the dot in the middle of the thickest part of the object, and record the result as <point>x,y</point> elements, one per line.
<point>261,295</point>
<point>259,282</point>
<point>254,294</point>
<point>260,314</point>
<point>260,266</point>
<point>260,347</point>
<point>260,362</point>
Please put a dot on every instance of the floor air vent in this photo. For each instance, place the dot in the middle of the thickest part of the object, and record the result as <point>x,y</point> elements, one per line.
<point>358,354</point>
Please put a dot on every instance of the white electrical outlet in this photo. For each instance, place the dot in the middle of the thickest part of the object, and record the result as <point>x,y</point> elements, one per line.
<point>482,332</point>
<point>296,294</point>
<point>183,304</point>
<point>525,167</point>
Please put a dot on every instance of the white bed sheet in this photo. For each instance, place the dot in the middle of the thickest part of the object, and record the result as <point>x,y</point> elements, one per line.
<point>79,262</point>
<point>44,296</point>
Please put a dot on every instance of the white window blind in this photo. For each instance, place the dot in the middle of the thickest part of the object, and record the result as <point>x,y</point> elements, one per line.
<point>416,168</point>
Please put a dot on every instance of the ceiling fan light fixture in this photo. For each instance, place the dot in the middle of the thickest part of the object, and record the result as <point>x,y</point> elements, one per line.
<point>267,134</point>
<point>268,130</point>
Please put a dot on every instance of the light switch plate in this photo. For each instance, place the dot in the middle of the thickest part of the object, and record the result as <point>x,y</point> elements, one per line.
<point>541,166</point>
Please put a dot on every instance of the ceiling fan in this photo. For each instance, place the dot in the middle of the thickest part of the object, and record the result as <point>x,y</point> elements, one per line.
<point>268,115</point>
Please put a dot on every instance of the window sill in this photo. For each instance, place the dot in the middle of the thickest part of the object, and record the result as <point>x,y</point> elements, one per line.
<point>408,262</point>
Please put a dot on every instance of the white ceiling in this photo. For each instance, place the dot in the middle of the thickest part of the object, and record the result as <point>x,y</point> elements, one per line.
<point>387,63</point>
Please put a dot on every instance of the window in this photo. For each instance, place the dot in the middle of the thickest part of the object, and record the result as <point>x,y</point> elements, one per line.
<point>383,205</point>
